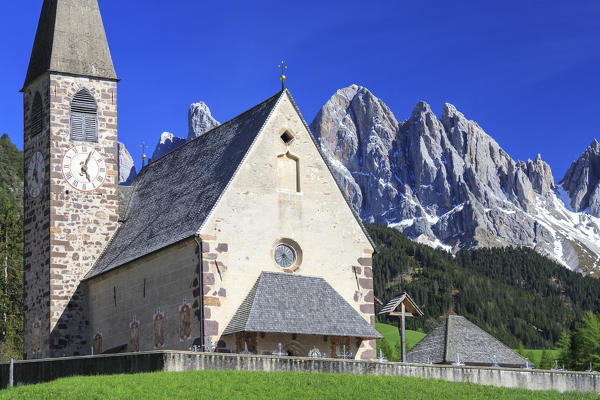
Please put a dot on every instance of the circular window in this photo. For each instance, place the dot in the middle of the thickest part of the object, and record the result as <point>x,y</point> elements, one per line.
<point>285,256</point>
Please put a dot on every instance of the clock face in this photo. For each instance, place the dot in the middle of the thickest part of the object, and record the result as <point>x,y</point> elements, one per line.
<point>84,168</point>
<point>285,256</point>
<point>35,174</point>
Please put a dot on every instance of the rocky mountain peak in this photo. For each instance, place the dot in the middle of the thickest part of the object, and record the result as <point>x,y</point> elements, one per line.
<point>200,120</point>
<point>539,174</point>
<point>166,143</point>
<point>126,166</point>
<point>582,181</point>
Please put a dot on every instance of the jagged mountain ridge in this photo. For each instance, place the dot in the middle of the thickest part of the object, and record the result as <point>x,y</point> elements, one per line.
<point>445,182</point>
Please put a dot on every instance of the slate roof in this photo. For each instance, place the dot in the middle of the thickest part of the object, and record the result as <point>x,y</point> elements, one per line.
<point>124,199</point>
<point>289,303</point>
<point>456,336</point>
<point>70,38</point>
<point>173,195</point>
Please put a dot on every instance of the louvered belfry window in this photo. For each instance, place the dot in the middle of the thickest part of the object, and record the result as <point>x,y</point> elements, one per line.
<point>36,115</point>
<point>84,117</point>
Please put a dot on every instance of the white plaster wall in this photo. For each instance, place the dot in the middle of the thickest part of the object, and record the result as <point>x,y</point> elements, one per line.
<point>253,215</point>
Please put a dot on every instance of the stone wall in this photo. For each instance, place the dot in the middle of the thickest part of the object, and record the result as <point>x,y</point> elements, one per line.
<point>65,229</point>
<point>81,223</point>
<point>36,229</point>
<point>27,372</point>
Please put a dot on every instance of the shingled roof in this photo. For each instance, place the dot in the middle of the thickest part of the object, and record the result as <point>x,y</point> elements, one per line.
<point>289,303</point>
<point>173,195</point>
<point>170,199</point>
<point>70,39</point>
<point>458,337</point>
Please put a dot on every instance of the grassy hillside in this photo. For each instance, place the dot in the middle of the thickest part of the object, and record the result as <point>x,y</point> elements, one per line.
<point>229,385</point>
<point>514,294</point>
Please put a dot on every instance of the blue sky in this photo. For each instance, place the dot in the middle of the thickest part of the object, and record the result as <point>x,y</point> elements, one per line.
<point>527,71</point>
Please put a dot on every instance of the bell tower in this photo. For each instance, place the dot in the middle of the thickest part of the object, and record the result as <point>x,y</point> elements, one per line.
<point>71,198</point>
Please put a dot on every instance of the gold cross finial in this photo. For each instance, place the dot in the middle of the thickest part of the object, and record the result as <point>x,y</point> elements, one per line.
<point>283,77</point>
<point>143,147</point>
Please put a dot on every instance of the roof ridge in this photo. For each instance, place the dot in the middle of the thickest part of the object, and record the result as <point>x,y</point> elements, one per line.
<point>229,121</point>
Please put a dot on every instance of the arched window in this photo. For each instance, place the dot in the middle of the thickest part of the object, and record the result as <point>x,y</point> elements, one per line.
<point>134,335</point>
<point>36,338</point>
<point>84,117</point>
<point>98,343</point>
<point>36,115</point>
<point>159,329</point>
<point>185,321</point>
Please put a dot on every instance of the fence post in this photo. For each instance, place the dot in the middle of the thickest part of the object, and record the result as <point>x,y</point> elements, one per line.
<point>11,373</point>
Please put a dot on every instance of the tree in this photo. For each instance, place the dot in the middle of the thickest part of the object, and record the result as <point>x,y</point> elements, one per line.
<point>546,362</point>
<point>564,344</point>
<point>585,342</point>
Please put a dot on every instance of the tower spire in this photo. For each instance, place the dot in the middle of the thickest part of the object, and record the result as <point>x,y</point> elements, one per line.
<point>70,39</point>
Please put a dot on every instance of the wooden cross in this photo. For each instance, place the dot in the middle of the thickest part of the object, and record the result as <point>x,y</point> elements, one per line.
<point>283,77</point>
<point>408,308</point>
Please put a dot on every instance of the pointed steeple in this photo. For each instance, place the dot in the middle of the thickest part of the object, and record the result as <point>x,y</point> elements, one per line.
<point>70,39</point>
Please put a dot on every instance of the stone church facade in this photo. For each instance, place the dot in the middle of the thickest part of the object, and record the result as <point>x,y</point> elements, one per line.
<point>238,241</point>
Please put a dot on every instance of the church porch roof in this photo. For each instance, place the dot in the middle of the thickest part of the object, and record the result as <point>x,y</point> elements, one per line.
<point>298,304</point>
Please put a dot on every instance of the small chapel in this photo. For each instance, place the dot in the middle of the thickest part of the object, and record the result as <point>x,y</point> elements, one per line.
<point>238,241</point>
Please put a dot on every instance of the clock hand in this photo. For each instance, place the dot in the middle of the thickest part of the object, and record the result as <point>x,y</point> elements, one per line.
<point>89,158</point>
<point>85,172</point>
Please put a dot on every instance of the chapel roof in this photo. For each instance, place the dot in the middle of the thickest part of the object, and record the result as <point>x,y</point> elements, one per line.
<point>458,337</point>
<point>70,39</point>
<point>290,303</point>
<point>171,197</point>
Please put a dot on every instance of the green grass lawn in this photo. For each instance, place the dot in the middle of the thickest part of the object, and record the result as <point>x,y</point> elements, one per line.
<point>215,385</point>
<point>391,334</point>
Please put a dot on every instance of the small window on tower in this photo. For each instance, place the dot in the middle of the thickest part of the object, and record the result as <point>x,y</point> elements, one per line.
<point>36,115</point>
<point>84,117</point>
<point>287,137</point>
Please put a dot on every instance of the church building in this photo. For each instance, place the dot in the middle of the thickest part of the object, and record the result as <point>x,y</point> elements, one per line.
<point>240,240</point>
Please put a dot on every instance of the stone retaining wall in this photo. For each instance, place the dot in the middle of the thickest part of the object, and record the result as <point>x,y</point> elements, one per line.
<point>35,371</point>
